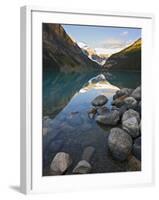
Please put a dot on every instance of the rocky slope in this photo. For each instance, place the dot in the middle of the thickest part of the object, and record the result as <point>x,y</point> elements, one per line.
<point>127,59</point>
<point>61,53</point>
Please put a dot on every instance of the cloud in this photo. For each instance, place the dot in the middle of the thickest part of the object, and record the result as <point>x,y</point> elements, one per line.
<point>124,33</point>
<point>113,43</point>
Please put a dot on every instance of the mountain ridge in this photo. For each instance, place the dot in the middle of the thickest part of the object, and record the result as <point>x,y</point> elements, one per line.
<point>61,53</point>
<point>126,59</point>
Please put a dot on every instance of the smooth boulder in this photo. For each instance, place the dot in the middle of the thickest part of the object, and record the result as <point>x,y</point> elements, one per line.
<point>137,148</point>
<point>122,92</point>
<point>119,101</point>
<point>82,167</point>
<point>121,110</point>
<point>137,93</point>
<point>131,126</point>
<point>60,163</point>
<point>100,100</point>
<point>102,110</point>
<point>110,118</point>
<point>131,113</point>
<point>119,143</point>
<point>130,102</point>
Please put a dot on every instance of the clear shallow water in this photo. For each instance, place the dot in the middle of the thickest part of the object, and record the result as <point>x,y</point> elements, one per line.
<point>69,128</point>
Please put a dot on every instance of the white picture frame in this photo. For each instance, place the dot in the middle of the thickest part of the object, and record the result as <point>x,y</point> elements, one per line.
<point>31,102</point>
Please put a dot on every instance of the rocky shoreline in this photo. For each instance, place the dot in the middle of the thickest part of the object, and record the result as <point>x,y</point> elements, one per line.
<point>124,139</point>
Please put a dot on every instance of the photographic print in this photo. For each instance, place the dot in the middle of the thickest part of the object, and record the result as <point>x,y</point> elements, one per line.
<point>91,93</point>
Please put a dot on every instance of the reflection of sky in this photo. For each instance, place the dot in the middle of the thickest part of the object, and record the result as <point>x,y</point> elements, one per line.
<point>108,38</point>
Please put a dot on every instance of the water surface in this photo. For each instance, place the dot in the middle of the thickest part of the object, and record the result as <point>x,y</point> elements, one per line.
<point>66,124</point>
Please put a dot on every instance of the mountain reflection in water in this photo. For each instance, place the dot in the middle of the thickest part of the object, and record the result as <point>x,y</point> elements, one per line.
<point>66,125</point>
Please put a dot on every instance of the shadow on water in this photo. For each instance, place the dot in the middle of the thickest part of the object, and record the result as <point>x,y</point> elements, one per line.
<point>59,88</point>
<point>121,79</point>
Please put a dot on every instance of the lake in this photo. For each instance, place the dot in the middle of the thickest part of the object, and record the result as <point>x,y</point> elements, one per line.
<point>66,124</point>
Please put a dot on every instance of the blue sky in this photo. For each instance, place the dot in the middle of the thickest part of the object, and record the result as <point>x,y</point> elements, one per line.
<point>108,38</point>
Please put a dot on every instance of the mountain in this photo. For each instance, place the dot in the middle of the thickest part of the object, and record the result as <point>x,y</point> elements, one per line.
<point>61,53</point>
<point>92,53</point>
<point>127,59</point>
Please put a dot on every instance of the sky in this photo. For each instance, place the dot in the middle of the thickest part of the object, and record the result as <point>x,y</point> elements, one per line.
<point>103,39</point>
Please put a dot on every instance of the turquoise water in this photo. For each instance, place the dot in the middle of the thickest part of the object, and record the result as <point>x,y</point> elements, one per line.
<point>59,88</point>
<point>69,127</point>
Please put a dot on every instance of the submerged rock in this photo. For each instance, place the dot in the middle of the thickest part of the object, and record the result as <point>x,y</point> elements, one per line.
<point>137,148</point>
<point>137,93</point>
<point>119,101</point>
<point>114,108</point>
<point>60,163</point>
<point>88,153</point>
<point>122,92</point>
<point>130,113</point>
<point>130,102</point>
<point>110,118</point>
<point>100,100</point>
<point>92,112</point>
<point>119,143</point>
<point>102,110</point>
<point>82,167</point>
<point>131,126</point>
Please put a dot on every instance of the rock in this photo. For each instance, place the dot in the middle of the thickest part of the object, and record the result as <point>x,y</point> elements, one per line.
<point>44,131</point>
<point>119,143</point>
<point>92,112</point>
<point>123,109</point>
<point>137,93</point>
<point>130,102</point>
<point>122,92</point>
<point>102,110</point>
<point>134,164</point>
<point>72,115</point>
<point>130,113</point>
<point>99,100</point>
<point>60,163</point>
<point>97,79</point>
<point>137,148</point>
<point>138,108</point>
<point>88,153</point>
<point>91,115</point>
<point>114,108</point>
<point>119,101</point>
<point>67,127</point>
<point>46,121</point>
<point>83,167</point>
<point>110,118</point>
<point>131,126</point>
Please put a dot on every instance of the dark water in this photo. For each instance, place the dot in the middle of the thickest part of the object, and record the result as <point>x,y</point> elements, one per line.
<point>66,125</point>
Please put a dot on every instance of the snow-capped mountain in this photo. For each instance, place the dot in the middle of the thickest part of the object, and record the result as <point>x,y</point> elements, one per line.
<point>97,56</point>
